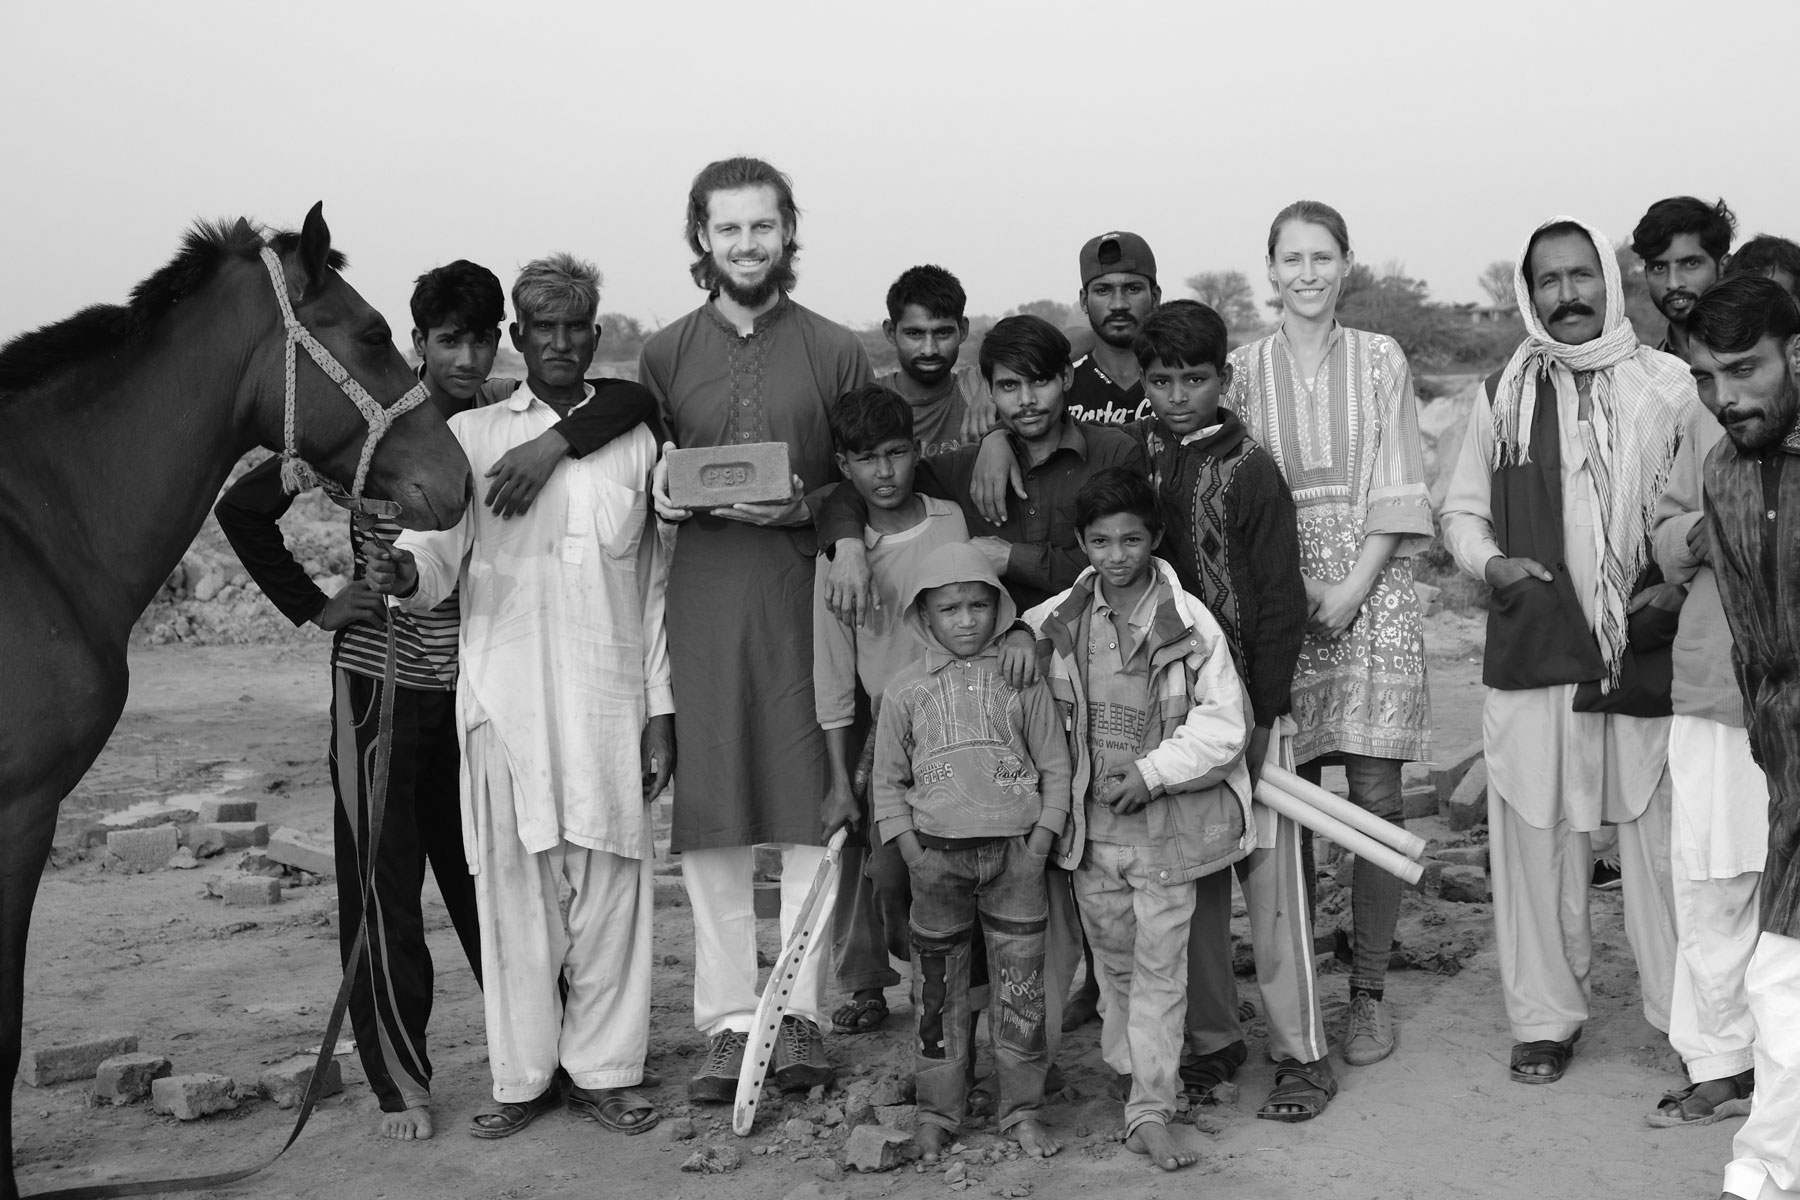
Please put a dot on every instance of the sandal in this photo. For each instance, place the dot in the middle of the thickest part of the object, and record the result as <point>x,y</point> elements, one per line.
<point>610,1106</point>
<point>1306,1086</point>
<point>1738,1105</point>
<point>1536,1054</point>
<point>860,1016</point>
<point>1202,1073</point>
<point>504,1120</point>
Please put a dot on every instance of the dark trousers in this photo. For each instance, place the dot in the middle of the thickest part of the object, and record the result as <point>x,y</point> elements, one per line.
<point>1004,884</point>
<point>868,923</point>
<point>1374,894</point>
<point>390,1000</point>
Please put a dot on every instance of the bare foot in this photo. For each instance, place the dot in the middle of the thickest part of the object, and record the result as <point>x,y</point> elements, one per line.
<point>1153,1139</point>
<point>930,1140</point>
<point>1034,1139</point>
<point>412,1125</point>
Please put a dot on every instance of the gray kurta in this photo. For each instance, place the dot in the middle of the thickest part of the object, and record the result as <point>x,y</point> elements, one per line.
<point>750,763</point>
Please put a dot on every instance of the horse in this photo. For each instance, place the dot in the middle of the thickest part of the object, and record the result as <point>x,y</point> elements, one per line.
<point>118,427</point>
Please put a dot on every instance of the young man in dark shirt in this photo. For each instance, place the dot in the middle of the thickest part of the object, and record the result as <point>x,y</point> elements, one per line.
<point>1118,290</point>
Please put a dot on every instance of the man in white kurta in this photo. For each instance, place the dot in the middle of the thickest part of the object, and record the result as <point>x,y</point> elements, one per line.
<point>1554,774</point>
<point>564,666</point>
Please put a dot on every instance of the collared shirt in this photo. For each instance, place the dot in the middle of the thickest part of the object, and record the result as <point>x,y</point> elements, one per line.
<point>1116,662</point>
<point>562,644</point>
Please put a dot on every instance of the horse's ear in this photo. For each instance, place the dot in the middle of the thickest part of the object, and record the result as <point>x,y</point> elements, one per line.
<point>315,249</point>
<point>241,232</point>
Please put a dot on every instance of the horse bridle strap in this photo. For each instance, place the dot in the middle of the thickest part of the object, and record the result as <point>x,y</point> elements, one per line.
<point>296,473</point>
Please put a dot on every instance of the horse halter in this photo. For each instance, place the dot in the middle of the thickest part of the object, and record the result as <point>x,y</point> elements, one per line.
<point>296,473</point>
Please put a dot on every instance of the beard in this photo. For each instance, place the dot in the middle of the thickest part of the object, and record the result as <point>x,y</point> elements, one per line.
<point>1753,436</point>
<point>1119,336</point>
<point>778,278</point>
<point>1673,297</point>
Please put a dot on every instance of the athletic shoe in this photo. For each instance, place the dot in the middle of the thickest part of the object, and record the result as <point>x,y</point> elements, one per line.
<point>800,1056</point>
<point>1606,875</point>
<point>718,1079</point>
<point>1368,1031</point>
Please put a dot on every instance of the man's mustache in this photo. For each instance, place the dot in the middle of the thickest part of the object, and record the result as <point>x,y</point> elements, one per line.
<point>1572,308</point>
<point>1669,297</point>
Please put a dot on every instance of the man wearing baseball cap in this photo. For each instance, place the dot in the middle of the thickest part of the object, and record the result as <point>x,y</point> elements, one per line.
<point>1118,290</point>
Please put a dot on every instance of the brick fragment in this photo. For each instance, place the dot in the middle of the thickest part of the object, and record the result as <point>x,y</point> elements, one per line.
<point>286,1082</point>
<point>1467,885</point>
<point>897,1116</point>
<point>292,848</point>
<point>190,1097</point>
<point>220,809</point>
<point>251,891</point>
<point>1450,772</point>
<point>216,837</point>
<point>873,1148</point>
<point>41,1066</point>
<point>139,850</point>
<point>715,476</point>
<point>126,1078</point>
<point>1468,803</point>
<point>766,899</point>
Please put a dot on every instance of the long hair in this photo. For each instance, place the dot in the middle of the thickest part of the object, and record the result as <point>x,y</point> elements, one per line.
<point>727,175</point>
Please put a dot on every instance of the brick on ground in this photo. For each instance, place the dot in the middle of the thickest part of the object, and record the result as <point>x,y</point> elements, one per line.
<point>1465,885</point>
<point>146,814</point>
<point>874,1148</point>
<point>250,891</point>
<point>1468,803</point>
<point>286,1082</point>
<point>216,837</point>
<point>292,848</point>
<point>766,899</point>
<point>190,1097</point>
<point>41,1066</point>
<point>143,849</point>
<point>1446,776</point>
<point>1419,801</point>
<point>126,1078</point>
<point>220,809</point>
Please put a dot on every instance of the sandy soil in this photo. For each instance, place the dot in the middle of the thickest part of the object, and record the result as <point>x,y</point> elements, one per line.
<point>230,990</point>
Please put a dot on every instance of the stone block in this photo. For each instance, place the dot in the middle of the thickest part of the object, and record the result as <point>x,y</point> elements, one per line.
<point>1448,774</point>
<point>254,891</point>
<point>125,1078</point>
<point>1465,885</point>
<point>897,1116</point>
<point>219,809</point>
<point>717,476</point>
<point>286,1082</point>
<point>190,1097</point>
<point>1418,802</point>
<point>1468,803</point>
<point>873,1148</point>
<point>143,849</point>
<point>291,848</point>
<point>767,899</point>
<point>41,1066</point>
<point>216,837</point>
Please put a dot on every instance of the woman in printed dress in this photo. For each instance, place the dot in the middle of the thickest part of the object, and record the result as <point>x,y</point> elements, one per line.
<point>1335,407</point>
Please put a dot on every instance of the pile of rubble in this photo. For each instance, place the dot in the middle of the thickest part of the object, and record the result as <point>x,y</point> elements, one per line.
<point>158,835</point>
<point>121,1074</point>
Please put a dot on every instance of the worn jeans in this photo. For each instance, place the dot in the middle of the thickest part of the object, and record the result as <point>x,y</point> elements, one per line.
<point>1138,929</point>
<point>1374,894</point>
<point>869,923</point>
<point>1002,882</point>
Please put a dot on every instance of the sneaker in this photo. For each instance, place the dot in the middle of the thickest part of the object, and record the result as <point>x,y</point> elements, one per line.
<point>718,1079</point>
<point>1368,1031</point>
<point>1606,877</point>
<point>800,1056</point>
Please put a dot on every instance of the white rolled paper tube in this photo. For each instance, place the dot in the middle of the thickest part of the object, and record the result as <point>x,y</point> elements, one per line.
<point>1326,825</point>
<point>1361,820</point>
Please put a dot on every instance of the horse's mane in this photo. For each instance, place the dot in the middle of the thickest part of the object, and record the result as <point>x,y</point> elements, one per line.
<point>31,358</point>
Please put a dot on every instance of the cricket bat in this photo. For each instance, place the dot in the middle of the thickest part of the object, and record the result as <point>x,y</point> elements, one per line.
<point>766,1028</point>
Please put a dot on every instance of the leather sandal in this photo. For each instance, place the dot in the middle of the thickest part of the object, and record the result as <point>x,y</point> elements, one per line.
<point>1202,1073</point>
<point>1742,1085</point>
<point>1306,1086</point>
<point>610,1106</point>
<point>1537,1054</point>
<point>504,1120</point>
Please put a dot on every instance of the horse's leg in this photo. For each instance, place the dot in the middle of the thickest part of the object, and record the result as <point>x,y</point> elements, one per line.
<point>30,823</point>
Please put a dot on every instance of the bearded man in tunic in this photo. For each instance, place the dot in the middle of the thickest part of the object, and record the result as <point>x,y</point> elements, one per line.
<point>1566,454</point>
<point>749,365</point>
<point>1744,350</point>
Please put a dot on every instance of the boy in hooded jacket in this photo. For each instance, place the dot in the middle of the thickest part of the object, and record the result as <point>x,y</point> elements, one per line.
<point>970,781</point>
<point>1157,722</point>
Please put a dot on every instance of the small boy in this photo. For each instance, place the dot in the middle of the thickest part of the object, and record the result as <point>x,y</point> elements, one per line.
<point>1158,731</point>
<point>971,782</point>
<point>872,433</point>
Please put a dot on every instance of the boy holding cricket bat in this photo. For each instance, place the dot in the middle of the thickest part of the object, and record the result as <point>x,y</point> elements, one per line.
<point>1158,728</point>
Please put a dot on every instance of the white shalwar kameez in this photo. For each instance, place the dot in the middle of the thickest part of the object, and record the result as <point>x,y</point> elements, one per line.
<point>563,660</point>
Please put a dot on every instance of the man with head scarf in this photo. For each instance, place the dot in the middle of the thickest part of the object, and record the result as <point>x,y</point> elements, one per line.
<point>1566,455</point>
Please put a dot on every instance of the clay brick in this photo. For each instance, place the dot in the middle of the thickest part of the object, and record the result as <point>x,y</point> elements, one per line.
<point>1467,885</point>
<point>1462,856</point>
<point>219,836</point>
<point>1448,775</point>
<point>715,476</point>
<point>1468,803</point>
<point>216,810</point>
<point>1430,877</point>
<point>143,849</point>
<point>145,814</point>
<point>125,1078</point>
<point>292,848</point>
<point>766,897</point>
<point>874,1148</point>
<point>252,891</point>
<point>41,1066</point>
<point>190,1097</point>
<point>286,1082</point>
<point>1418,802</point>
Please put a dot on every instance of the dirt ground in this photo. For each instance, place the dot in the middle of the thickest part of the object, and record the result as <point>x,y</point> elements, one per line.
<point>230,990</point>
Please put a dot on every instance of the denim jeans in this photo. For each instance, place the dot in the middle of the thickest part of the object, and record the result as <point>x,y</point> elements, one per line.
<point>1002,882</point>
<point>869,923</point>
<point>1374,894</point>
<point>1139,931</point>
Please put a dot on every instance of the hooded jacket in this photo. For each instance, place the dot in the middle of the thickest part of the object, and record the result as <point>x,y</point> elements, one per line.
<point>1199,813</point>
<point>958,752</point>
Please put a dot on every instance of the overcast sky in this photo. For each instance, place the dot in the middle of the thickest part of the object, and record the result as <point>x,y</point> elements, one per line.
<point>992,138</point>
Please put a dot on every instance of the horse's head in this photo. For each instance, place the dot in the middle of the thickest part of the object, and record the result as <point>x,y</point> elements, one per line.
<point>418,462</point>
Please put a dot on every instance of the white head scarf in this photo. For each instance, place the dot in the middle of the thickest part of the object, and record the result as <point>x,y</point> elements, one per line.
<point>1638,398</point>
